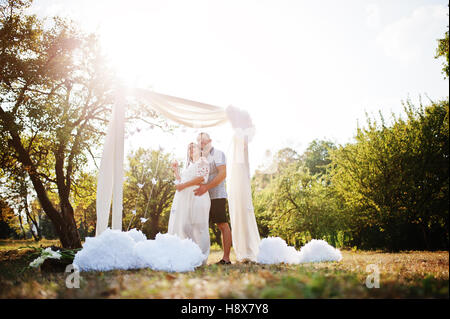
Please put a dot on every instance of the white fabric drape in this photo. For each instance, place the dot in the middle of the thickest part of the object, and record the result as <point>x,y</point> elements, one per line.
<point>190,113</point>
<point>110,176</point>
<point>186,112</point>
<point>245,235</point>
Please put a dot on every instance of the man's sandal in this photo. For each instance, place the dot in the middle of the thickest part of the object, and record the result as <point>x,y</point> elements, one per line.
<point>223,262</point>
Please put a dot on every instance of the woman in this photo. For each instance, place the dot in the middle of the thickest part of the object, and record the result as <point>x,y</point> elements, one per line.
<point>189,216</point>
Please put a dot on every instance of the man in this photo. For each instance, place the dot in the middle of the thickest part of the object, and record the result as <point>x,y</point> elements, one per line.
<point>217,192</point>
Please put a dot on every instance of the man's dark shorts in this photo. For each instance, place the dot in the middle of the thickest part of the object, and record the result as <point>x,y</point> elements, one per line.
<point>218,211</point>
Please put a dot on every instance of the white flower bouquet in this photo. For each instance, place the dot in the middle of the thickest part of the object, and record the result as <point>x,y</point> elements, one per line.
<point>55,258</point>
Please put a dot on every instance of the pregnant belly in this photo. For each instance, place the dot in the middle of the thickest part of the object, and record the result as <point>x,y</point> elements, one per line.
<point>200,209</point>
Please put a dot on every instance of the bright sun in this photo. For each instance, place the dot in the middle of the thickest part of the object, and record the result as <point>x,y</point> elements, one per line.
<point>127,52</point>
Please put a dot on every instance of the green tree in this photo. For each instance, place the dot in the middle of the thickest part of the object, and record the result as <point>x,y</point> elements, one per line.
<point>17,194</point>
<point>148,191</point>
<point>442,50</point>
<point>297,205</point>
<point>316,157</point>
<point>264,175</point>
<point>84,201</point>
<point>54,95</point>
<point>6,220</point>
<point>394,180</point>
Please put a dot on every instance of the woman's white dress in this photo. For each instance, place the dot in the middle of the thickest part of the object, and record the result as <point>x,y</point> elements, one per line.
<point>189,216</point>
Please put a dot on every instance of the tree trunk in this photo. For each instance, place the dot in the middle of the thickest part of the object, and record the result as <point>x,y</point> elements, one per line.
<point>63,221</point>
<point>31,222</point>
<point>24,235</point>
<point>31,229</point>
<point>425,237</point>
<point>154,222</point>
<point>66,228</point>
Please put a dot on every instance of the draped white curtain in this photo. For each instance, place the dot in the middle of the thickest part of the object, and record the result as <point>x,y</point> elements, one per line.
<point>110,175</point>
<point>245,233</point>
<point>190,113</point>
<point>186,112</point>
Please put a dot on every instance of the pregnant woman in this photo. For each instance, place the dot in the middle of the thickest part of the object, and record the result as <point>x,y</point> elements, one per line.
<point>189,216</point>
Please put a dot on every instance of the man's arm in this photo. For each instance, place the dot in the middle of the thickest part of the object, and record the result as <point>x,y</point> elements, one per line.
<point>221,175</point>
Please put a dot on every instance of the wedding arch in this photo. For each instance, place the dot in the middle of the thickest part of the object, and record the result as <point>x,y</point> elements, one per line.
<point>245,235</point>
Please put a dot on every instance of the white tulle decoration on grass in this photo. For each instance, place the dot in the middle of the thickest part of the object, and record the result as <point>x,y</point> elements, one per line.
<point>318,250</point>
<point>114,249</point>
<point>274,250</point>
<point>168,253</point>
<point>137,235</point>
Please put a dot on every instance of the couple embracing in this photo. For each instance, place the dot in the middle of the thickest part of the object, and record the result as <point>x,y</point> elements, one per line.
<point>201,197</point>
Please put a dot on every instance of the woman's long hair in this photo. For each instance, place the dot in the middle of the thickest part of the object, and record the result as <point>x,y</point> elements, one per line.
<point>189,159</point>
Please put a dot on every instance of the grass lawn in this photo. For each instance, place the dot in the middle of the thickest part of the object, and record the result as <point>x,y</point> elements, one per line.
<point>414,274</point>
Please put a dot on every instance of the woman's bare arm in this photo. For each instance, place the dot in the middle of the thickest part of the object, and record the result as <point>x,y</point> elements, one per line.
<point>176,170</point>
<point>177,175</point>
<point>196,181</point>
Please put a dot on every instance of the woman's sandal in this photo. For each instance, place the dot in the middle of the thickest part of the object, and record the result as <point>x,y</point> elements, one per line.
<point>223,262</point>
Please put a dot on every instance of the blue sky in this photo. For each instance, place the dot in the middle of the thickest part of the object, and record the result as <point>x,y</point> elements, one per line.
<point>303,69</point>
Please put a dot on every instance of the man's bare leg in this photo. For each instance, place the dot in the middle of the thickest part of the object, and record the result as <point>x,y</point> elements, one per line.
<point>226,240</point>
